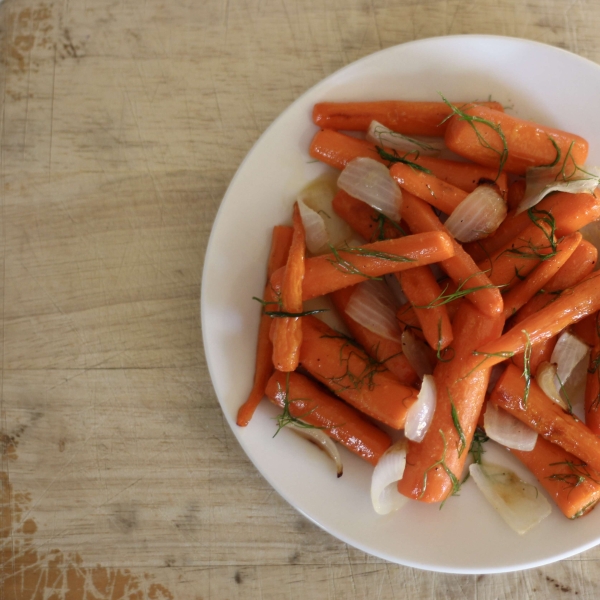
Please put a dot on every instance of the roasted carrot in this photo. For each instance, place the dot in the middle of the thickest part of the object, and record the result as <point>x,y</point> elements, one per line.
<point>421,288</point>
<point>337,150</point>
<point>383,350</point>
<point>592,391</point>
<point>280,247</point>
<point>406,117</point>
<point>426,186</point>
<point>434,466</point>
<point>516,193</point>
<point>491,138</point>
<point>588,329</point>
<point>286,332</point>
<point>574,487</point>
<point>329,272</point>
<point>540,352</point>
<point>461,268</point>
<point>536,410</point>
<point>309,402</point>
<point>347,371</point>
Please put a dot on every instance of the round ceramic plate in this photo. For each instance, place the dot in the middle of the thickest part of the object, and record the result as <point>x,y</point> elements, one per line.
<point>533,81</point>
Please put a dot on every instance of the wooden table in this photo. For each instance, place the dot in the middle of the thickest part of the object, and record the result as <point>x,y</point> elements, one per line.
<point>122,125</point>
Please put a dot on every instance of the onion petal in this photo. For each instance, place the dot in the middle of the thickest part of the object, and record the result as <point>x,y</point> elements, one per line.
<point>519,503</point>
<point>388,471</point>
<point>505,429</point>
<point>370,181</point>
<point>383,136</point>
<point>322,441</point>
<point>314,228</point>
<point>418,354</point>
<point>373,306</point>
<point>478,215</point>
<point>567,354</point>
<point>548,381</point>
<point>420,414</point>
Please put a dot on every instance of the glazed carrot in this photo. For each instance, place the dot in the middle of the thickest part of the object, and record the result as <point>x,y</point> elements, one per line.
<point>407,318</point>
<point>588,329</point>
<point>540,352</point>
<point>545,416</point>
<point>428,187</point>
<point>337,150</point>
<point>592,391</point>
<point>286,332</point>
<point>524,290</point>
<point>406,117</point>
<point>280,246</point>
<point>329,272</point>
<point>309,402</point>
<point>461,268</point>
<point>516,193</point>
<point>383,350</point>
<point>460,395</point>
<point>574,487</point>
<point>528,144</point>
<point>421,288</point>
<point>348,372</point>
<point>569,307</point>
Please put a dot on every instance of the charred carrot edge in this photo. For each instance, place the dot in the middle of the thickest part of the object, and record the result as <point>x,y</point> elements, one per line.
<point>406,117</point>
<point>592,391</point>
<point>385,351</point>
<point>528,144</point>
<point>280,248</point>
<point>434,466</point>
<point>329,272</point>
<point>421,288</point>
<point>349,373</point>
<point>543,415</point>
<point>286,332</point>
<point>461,268</point>
<point>574,487</point>
<point>437,192</point>
<point>309,402</point>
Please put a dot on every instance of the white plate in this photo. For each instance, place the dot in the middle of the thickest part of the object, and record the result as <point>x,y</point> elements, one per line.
<point>542,83</point>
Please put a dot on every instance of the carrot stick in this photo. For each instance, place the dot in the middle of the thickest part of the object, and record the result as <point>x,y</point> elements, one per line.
<point>527,144</point>
<point>523,291</point>
<point>571,306</point>
<point>545,416</point>
<point>329,272</point>
<point>421,288</point>
<point>383,350</point>
<point>337,150</point>
<point>428,187</point>
<point>461,268</point>
<point>310,403</point>
<point>280,248</point>
<point>348,372</point>
<point>406,117</point>
<point>540,352</point>
<point>286,332</point>
<point>574,487</point>
<point>592,391</point>
<point>460,395</point>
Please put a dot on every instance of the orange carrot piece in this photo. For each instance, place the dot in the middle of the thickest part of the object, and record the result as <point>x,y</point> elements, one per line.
<point>592,391</point>
<point>421,288</point>
<point>588,329</point>
<point>350,374</point>
<point>461,268</point>
<point>329,272</point>
<point>460,390</point>
<point>545,416</point>
<point>280,248</point>
<point>309,402</point>
<point>571,306</point>
<point>574,487</point>
<point>383,350</point>
<point>286,332</point>
<point>406,117</point>
<point>516,193</point>
<point>407,318</point>
<point>528,144</point>
<point>337,150</point>
<point>428,187</point>
<point>540,352</point>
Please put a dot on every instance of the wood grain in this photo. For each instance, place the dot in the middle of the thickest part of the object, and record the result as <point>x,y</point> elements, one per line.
<point>122,125</point>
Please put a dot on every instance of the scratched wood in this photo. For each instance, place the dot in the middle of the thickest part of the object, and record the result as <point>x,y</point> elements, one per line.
<point>122,124</point>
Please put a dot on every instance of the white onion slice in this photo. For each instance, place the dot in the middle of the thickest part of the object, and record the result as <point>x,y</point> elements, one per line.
<point>548,381</point>
<point>315,232</point>
<point>505,429</point>
<point>420,414</point>
<point>371,182</point>
<point>418,354</point>
<point>567,354</point>
<point>388,471</point>
<point>518,503</point>
<point>383,136</point>
<point>478,215</point>
<point>540,181</point>
<point>322,441</point>
<point>372,305</point>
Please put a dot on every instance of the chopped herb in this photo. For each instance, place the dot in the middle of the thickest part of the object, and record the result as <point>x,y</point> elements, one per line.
<point>395,158</point>
<point>526,368</point>
<point>476,450</point>
<point>447,350</point>
<point>442,463</point>
<point>347,267</point>
<point>279,314</point>
<point>381,221</point>
<point>460,292</point>
<point>578,474</point>
<point>286,417</point>
<point>462,442</point>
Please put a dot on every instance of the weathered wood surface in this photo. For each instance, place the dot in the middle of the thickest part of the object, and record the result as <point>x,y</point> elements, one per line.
<point>122,124</point>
